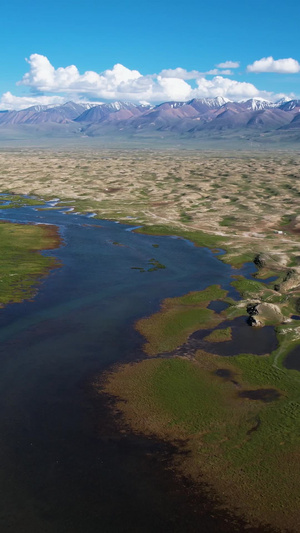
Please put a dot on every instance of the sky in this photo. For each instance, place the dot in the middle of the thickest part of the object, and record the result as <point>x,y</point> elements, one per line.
<point>147,51</point>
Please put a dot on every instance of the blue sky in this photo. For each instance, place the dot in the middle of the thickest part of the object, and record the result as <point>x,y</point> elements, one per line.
<point>152,38</point>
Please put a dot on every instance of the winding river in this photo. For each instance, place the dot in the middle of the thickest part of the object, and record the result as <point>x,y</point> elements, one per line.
<point>65,465</point>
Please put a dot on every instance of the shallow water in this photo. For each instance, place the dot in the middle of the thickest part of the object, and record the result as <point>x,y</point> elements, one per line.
<point>244,339</point>
<point>218,306</point>
<point>292,360</point>
<point>65,466</point>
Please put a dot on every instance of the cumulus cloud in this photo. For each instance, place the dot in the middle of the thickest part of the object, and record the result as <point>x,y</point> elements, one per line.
<point>234,90</point>
<point>117,83</point>
<point>229,64</point>
<point>216,71</point>
<point>10,102</point>
<point>174,88</point>
<point>43,77</point>
<point>281,66</point>
<point>184,74</point>
<point>180,73</point>
<point>49,85</point>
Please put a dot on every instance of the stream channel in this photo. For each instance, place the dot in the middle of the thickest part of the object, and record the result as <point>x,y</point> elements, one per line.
<point>65,465</point>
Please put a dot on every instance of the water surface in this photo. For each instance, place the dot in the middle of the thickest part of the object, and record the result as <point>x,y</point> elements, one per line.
<point>65,466</point>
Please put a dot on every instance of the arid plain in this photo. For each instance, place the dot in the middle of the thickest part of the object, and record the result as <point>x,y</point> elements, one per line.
<point>250,200</point>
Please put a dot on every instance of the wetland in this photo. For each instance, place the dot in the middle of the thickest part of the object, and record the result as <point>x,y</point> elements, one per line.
<point>131,378</point>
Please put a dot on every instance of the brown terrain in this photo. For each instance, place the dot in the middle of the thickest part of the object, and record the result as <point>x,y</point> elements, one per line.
<point>244,197</point>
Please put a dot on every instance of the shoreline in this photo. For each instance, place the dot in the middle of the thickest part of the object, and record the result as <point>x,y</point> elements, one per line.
<point>52,233</point>
<point>22,242</point>
<point>130,387</point>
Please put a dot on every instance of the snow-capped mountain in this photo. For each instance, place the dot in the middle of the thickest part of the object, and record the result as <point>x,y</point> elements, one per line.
<point>189,118</point>
<point>255,104</point>
<point>290,105</point>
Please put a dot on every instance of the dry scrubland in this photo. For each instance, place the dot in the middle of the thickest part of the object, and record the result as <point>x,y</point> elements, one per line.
<point>245,196</point>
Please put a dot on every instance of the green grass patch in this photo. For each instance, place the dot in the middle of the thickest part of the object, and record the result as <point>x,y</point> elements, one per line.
<point>20,263</point>
<point>248,288</point>
<point>197,237</point>
<point>287,219</point>
<point>178,318</point>
<point>16,200</point>
<point>219,335</point>
<point>228,220</point>
<point>237,260</point>
<point>247,449</point>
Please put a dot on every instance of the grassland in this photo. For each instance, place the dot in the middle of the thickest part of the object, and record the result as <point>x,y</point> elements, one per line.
<point>236,423</point>
<point>178,318</point>
<point>219,335</point>
<point>21,264</point>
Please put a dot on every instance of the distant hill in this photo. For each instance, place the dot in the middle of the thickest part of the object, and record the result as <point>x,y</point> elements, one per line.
<point>256,118</point>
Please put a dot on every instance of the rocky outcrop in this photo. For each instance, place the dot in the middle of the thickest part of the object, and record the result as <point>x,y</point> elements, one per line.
<point>262,313</point>
<point>290,281</point>
<point>270,261</point>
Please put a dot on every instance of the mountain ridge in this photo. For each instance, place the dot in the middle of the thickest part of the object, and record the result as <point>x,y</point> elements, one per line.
<point>191,118</point>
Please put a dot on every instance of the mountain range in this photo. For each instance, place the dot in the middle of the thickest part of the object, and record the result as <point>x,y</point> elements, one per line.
<point>195,118</point>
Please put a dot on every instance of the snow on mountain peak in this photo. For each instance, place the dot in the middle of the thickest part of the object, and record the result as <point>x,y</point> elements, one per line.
<point>258,103</point>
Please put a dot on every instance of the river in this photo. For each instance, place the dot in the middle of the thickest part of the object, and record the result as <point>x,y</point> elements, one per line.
<point>66,467</point>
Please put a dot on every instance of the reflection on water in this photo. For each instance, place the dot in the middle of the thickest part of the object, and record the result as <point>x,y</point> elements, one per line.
<point>65,467</point>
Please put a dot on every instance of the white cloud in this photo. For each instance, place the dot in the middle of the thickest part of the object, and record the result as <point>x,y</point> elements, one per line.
<point>213,72</point>
<point>55,86</point>
<point>216,71</point>
<point>184,74</point>
<point>229,64</point>
<point>232,89</point>
<point>281,66</point>
<point>10,102</point>
<point>44,77</point>
<point>174,88</point>
<point>226,72</point>
<point>180,73</point>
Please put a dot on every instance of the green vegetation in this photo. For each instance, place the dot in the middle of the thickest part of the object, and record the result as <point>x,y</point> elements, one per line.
<point>178,318</point>
<point>248,287</point>
<point>246,449</point>
<point>16,200</point>
<point>287,219</point>
<point>197,237</point>
<point>237,259</point>
<point>20,263</point>
<point>228,220</point>
<point>185,217</point>
<point>238,418</point>
<point>154,265</point>
<point>219,335</point>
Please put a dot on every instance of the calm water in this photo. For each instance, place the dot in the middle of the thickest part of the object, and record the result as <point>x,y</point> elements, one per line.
<point>292,360</point>
<point>244,339</point>
<point>65,467</point>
